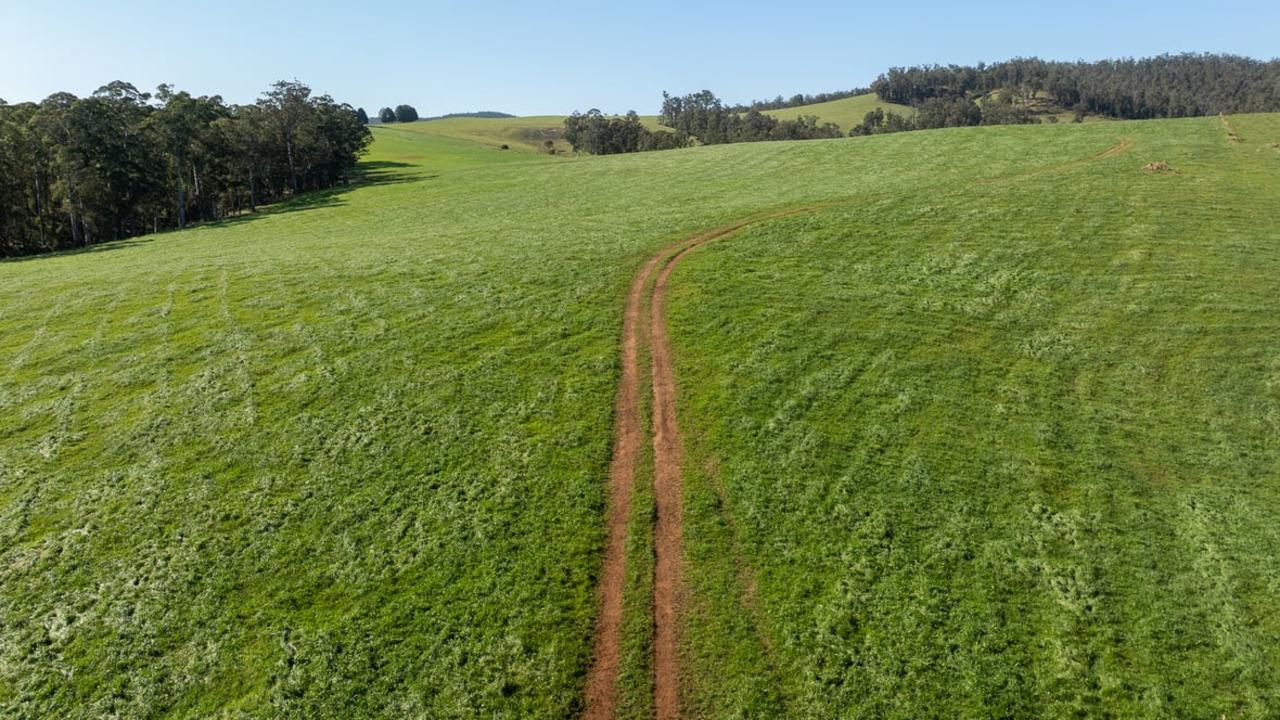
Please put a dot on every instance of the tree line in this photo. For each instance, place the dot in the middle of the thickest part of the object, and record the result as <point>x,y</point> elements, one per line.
<point>484,114</point>
<point>1166,86</point>
<point>1018,91</point>
<point>944,112</point>
<point>704,116</point>
<point>121,163</point>
<point>698,115</point>
<point>597,134</point>
<point>401,113</point>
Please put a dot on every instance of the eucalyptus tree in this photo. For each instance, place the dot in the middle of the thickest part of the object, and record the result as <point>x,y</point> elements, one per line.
<point>286,106</point>
<point>120,163</point>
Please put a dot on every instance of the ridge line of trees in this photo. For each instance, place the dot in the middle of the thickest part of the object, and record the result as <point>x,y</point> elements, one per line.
<point>698,115</point>
<point>121,163</point>
<point>484,114</point>
<point>1165,86</point>
<point>799,100</point>
<point>597,134</point>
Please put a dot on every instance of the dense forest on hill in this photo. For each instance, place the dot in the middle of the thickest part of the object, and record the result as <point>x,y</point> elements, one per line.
<point>1165,86</point>
<point>121,163</point>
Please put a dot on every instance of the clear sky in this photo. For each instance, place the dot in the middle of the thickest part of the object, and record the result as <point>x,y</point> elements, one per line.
<point>554,57</point>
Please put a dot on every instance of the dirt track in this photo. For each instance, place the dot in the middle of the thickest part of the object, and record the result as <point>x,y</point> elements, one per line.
<point>1123,145</point>
<point>601,691</point>
<point>628,438</point>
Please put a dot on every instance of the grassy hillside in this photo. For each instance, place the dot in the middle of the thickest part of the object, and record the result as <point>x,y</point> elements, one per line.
<point>1003,449</point>
<point>1000,432</point>
<point>520,134</point>
<point>846,112</point>
<point>401,149</point>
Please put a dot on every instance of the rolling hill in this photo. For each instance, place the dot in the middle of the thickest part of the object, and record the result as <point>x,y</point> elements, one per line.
<point>846,112</point>
<point>520,134</point>
<point>529,134</point>
<point>977,421</point>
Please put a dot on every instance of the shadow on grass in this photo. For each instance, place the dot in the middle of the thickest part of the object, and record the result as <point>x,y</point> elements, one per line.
<point>387,172</point>
<point>367,174</point>
<point>98,248</point>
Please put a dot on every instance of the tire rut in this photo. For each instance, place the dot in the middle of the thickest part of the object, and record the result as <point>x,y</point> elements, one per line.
<point>628,438</point>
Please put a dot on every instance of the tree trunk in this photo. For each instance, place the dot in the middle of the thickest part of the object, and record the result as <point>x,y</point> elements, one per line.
<point>293,172</point>
<point>77,236</point>
<point>253,192</point>
<point>195,184</point>
<point>40,212</point>
<point>84,228</point>
<point>177,183</point>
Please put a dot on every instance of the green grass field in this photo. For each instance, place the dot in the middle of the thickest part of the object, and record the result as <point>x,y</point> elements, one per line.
<point>997,436</point>
<point>1001,450</point>
<point>526,135</point>
<point>845,112</point>
<point>519,134</point>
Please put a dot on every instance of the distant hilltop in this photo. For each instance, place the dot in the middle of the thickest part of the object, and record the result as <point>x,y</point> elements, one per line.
<point>485,114</point>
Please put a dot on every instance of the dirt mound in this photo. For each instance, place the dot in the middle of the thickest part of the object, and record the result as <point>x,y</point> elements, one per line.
<point>1157,167</point>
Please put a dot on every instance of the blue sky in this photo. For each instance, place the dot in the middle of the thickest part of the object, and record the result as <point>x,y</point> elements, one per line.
<point>554,57</point>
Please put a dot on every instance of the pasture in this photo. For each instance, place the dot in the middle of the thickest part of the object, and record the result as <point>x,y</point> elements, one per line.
<point>997,430</point>
<point>520,134</point>
<point>845,112</point>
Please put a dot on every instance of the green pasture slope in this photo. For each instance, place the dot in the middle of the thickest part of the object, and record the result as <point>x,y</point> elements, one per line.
<point>998,436</point>
<point>994,450</point>
<point>845,112</point>
<point>520,134</point>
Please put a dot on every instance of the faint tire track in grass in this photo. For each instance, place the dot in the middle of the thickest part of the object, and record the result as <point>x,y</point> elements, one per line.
<point>1124,144</point>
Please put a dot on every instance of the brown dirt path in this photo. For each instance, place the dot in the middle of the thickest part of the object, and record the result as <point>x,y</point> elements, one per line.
<point>601,697</point>
<point>668,530</point>
<point>1231,132</point>
<point>602,677</point>
<point>601,689</point>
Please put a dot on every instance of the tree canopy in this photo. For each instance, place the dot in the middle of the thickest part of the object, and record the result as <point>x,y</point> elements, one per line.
<point>1164,86</point>
<point>121,162</point>
<point>704,116</point>
<point>599,135</point>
